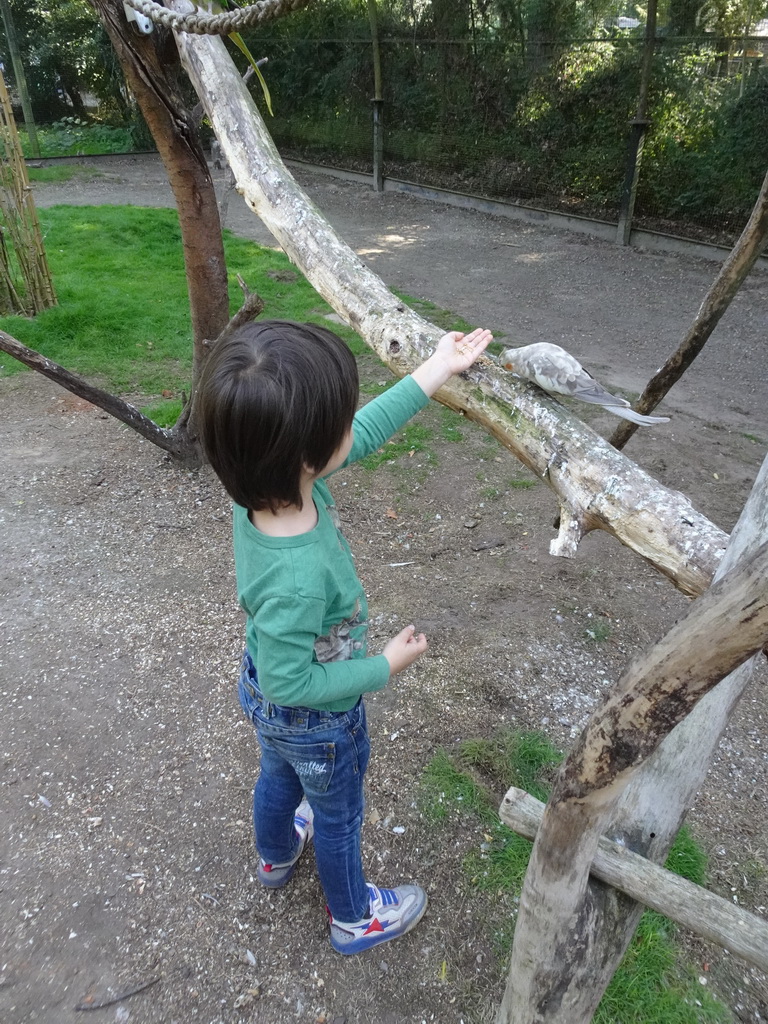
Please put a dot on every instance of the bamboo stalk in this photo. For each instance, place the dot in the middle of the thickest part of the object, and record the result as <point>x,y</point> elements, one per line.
<point>27,286</point>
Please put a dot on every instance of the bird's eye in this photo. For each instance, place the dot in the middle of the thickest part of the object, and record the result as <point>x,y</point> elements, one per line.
<point>508,366</point>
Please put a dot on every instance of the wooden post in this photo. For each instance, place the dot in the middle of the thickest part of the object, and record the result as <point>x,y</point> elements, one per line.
<point>703,912</point>
<point>640,125</point>
<point>631,776</point>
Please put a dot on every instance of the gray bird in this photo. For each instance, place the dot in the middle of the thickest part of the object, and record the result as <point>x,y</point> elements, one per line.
<point>555,370</point>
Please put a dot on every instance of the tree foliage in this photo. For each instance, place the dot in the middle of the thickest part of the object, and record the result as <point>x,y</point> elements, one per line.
<point>65,54</point>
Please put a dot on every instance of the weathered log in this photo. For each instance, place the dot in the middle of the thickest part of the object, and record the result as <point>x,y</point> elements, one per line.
<point>660,792</point>
<point>571,934</point>
<point>709,915</point>
<point>598,487</point>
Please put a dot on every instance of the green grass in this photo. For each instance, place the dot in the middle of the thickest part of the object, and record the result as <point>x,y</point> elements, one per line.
<point>449,425</point>
<point>164,413</point>
<point>123,315</point>
<point>598,631</point>
<point>652,984</point>
<point>413,438</point>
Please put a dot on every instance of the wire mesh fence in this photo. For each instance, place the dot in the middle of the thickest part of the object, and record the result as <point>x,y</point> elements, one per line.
<point>548,127</point>
<point>517,116</point>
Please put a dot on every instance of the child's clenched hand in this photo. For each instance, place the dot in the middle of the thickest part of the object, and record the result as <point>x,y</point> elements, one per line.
<point>403,649</point>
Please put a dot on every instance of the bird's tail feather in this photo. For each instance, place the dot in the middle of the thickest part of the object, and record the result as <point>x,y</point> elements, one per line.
<point>636,417</point>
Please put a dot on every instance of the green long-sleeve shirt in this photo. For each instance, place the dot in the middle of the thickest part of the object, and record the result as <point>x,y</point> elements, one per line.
<point>307,614</point>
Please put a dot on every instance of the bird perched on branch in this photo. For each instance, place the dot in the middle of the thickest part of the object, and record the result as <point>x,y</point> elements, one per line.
<point>555,370</point>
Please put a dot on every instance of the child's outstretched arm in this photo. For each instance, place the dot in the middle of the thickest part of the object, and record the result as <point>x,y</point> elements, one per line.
<point>455,352</point>
<point>385,415</point>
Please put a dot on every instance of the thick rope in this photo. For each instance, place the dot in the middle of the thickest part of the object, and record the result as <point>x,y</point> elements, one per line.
<point>216,24</point>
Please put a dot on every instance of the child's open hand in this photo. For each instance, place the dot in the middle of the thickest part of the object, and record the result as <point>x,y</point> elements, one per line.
<point>459,350</point>
<point>454,353</point>
<point>403,649</point>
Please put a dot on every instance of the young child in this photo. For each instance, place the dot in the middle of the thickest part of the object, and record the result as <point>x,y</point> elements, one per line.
<point>277,416</point>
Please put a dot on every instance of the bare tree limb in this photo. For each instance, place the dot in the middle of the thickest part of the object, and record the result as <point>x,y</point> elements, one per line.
<point>253,306</point>
<point>730,278</point>
<point>168,440</point>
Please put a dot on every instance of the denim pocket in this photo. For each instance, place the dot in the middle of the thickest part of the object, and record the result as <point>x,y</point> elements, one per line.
<point>313,762</point>
<point>247,696</point>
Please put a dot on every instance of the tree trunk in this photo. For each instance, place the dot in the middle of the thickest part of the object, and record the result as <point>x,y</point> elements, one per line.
<point>571,933</point>
<point>598,487</point>
<point>730,278</point>
<point>146,63</point>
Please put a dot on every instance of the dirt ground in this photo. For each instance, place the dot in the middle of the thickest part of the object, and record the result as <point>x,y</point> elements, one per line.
<point>126,854</point>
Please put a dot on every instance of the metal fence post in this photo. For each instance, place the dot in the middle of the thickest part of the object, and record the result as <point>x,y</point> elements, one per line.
<point>629,191</point>
<point>378,145</point>
<point>640,125</point>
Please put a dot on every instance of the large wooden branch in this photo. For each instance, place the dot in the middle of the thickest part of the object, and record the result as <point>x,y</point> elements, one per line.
<point>552,979</point>
<point>597,486</point>
<point>726,626</point>
<point>168,440</point>
<point>705,913</point>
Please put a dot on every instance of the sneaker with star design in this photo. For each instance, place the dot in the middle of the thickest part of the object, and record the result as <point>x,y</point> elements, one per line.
<point>391,913</point>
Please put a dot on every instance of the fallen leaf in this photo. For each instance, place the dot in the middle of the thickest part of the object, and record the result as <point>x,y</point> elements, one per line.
<point>391,513</point>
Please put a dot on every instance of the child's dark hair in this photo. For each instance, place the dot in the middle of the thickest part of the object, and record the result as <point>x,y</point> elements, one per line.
<point>275,397</point>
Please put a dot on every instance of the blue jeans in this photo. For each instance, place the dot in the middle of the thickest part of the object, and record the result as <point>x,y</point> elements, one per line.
<point>321,755</point>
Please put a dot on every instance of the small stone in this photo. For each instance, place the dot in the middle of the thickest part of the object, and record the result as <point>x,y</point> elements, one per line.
<point>289,276</point>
